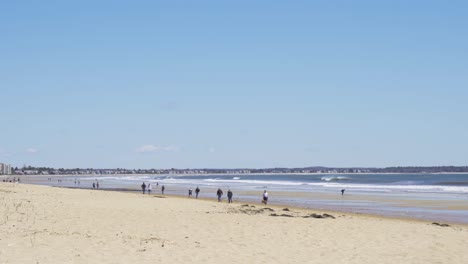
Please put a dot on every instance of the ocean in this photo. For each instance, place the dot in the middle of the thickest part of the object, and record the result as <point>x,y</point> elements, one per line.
<point>437,197</point>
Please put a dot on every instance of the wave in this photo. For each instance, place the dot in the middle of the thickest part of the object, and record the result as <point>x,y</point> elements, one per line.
<point>217,180</point>
<point>408,182</point>
<point>453,183</point>
<point>386,188</point>
<point>326,182</point>
<point>334,178</point>
<point>124,178</point>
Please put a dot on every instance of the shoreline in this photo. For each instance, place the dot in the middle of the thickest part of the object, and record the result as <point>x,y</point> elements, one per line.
<point>241,202</point>
<point>391,206</point>
<point>274,205</point>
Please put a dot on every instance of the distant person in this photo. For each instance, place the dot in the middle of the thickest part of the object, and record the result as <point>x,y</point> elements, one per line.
<point>190,192</point>
<point>265,197</point>
<point>143,187</point>
<point>157,184</point>
<point>162,189</point>
<point>219,193</point>
<point>229,194</point>
<point>197,191</point>
<point>97,185</point>
<point>94,185</point>
<point>342,192</point>
<point>149,188</point>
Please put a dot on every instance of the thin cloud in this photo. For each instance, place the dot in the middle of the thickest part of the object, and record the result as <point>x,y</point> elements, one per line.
<point>211,150</point>
<point>155,148</point>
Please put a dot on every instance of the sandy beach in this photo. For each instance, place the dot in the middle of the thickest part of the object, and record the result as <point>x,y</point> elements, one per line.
<point>42,224</point>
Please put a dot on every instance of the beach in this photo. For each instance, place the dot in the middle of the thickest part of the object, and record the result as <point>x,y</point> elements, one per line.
<point>430,197</point>
<point>43,224</point>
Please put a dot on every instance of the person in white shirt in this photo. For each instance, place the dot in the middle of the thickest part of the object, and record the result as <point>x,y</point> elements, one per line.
<point>265,197</point>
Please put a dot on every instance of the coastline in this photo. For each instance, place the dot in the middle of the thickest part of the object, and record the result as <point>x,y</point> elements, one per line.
<point>45,224</point>
<point>450,209</point>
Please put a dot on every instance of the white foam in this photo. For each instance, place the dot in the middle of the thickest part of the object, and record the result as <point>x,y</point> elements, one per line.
<point>415,188</point>
<point>334,178</point>
<point>255,182</point>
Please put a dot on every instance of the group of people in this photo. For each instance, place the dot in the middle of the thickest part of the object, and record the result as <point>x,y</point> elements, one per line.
<point>148,188</point>
<point>197,191</point>
<point>219,193</point>
<point>95,184</point>
<point>16,180</point>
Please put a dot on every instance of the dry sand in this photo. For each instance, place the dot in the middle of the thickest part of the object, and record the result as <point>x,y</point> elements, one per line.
<point>41,224</point>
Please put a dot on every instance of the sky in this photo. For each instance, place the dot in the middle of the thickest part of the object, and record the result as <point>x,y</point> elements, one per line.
<point>233,84</point>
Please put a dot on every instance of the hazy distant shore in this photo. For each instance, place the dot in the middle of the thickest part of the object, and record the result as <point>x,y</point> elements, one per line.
<point>220,174</point>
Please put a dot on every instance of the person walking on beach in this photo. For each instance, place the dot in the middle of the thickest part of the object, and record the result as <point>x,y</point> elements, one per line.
<point>94,185</point>
<point>197,190</point>
<point>162,189</point>
<point>265,197</point>
<point>97,185</point>
<point>219,193</point>
<point>143,187</point>
<point>342,192</point>
<point>229,196</point>
<point>190,192</point>
<point>149,188</point>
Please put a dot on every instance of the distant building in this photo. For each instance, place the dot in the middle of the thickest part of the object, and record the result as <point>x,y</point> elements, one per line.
<point>5,169</point>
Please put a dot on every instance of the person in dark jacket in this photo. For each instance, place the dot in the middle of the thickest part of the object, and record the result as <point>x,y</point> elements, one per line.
<point>219,193</point>
<point>229,195</point>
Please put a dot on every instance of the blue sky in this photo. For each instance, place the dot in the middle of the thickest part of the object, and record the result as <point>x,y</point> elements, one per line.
<point>161,84</point>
